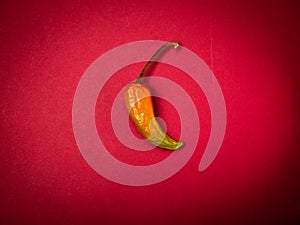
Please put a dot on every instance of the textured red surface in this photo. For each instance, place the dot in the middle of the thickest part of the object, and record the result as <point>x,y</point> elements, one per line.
<point>253,49</point>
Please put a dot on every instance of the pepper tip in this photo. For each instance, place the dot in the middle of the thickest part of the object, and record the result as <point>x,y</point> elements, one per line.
<point>179,145</point>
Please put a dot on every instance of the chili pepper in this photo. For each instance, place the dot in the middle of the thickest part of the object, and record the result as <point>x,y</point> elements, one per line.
<point>138,101</point>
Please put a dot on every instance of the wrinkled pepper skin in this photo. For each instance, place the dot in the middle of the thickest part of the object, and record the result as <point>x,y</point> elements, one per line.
<point>138,101</point>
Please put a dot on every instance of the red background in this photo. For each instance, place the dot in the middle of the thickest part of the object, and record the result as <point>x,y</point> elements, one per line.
<point>253,49</point>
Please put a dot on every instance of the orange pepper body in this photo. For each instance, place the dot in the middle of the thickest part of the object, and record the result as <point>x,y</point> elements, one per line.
<point>138,101</point>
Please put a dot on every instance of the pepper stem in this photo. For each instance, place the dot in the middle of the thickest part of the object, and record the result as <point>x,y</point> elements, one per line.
<point>161,49</point>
